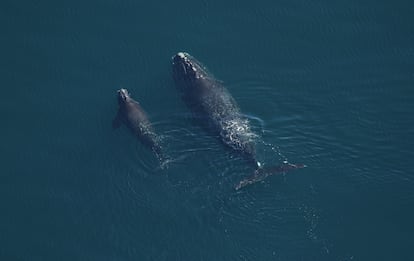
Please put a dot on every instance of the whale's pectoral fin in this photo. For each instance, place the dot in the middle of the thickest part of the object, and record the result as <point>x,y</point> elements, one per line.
<point>117,121</point>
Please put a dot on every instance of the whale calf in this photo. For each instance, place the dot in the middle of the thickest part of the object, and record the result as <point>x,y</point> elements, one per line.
<point>219,113</point>
<point>135,118</point>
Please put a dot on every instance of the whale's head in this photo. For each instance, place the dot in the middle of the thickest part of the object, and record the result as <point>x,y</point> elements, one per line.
<point>187,69</point>
<point>123,96</point>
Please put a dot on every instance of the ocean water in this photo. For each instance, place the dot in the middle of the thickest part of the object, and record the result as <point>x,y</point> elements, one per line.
<point>325,83</point>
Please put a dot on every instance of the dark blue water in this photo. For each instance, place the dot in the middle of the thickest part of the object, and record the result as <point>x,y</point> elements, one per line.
<point>325,83</point>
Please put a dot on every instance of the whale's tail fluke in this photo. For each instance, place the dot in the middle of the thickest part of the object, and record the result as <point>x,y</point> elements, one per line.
<point>262,173</point>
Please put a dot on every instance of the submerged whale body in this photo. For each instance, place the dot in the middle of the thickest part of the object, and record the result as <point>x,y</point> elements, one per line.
<point>219,113</point>
<point>213,104</point>
<point>134,117</point>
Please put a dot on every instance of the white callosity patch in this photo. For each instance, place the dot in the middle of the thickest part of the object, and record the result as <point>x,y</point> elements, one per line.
<point>189,63</point>
<point>182,55</point>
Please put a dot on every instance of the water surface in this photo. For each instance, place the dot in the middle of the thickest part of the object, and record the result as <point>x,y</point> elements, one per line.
<point>324,83</point>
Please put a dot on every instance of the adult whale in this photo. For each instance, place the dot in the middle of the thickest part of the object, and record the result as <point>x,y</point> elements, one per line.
<point>220,114</point>
<point>134,117</point>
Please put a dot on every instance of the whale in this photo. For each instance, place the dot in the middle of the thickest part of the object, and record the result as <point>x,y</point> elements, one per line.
<point>132,115</point>
<point>219,113</point>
